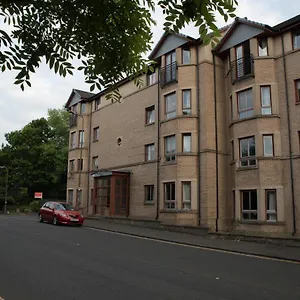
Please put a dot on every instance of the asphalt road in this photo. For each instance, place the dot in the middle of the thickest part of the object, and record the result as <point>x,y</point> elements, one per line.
<point>43,262</point>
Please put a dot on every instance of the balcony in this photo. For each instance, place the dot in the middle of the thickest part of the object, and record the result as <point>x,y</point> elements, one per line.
<point>168,74</point>
<point>242,68</point>
<point>72,120</point>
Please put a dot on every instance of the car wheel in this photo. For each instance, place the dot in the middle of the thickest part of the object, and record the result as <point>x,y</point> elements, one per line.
<point>40,218</point>
<point>55,221</point>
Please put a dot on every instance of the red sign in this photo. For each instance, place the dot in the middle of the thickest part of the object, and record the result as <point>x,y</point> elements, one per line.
<point>38,195</point>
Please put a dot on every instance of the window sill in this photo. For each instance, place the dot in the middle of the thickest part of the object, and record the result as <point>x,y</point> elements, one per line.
<point>251,75</point>
<point>78,148</point>
<point>297,103</point>
<point>187,65</point>
<point>149,203</point>
<point>247,168</point>
<point>95,141</point>
<point>149,124</point>
<point>191,116</point>
<point>253,118</point>
<point>187,154</point>
<point>177,211</point>
<point>150,161</point>
<point>256,222</point>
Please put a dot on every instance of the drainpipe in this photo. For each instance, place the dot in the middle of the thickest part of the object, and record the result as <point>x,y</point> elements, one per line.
<point>89,162</point>
<point>158,147</point>
<point>199,139</point>
<point>216,141</point>
<point>290,138</point>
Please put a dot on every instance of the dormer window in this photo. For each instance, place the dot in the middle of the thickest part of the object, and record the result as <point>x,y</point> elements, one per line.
<point>263,46</point>
<point>169,72</point>
<point>170,58</point>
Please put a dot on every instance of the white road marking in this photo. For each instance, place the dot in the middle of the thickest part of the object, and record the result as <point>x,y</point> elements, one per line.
<point>196,247</point>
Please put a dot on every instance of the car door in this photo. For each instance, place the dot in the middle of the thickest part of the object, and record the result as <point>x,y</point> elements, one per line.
<point>43,211</point>
<point>50,212</point>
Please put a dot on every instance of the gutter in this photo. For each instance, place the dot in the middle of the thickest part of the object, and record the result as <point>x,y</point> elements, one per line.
<point>199,137</point>
<point>158,148</point>
<point>289,135</point>
<point>216,141</point>
<point>89,163</point>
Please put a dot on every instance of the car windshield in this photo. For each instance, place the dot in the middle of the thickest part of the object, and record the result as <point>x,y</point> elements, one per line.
<point>64,206</point>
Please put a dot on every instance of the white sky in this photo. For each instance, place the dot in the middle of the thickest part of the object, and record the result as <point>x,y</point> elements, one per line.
<point>48,90</point>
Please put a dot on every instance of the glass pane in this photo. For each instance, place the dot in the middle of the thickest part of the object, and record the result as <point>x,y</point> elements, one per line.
<point>253,200</point>
<point>187,143</point>
<point>271,217</point>
<point>245,216</point>
<point>271,201</point>
<point>245,201</point>
<point>167,192</point>
<point>186,56</point>
<point>252,162</point>
<point>251,147</point>
<point>244,148</point>
<point>186,99</point>
<point>265,96</point>
<point>186,191</point>
<point>249,98</point>
<point>263,47</point>
<point>243,115</point>
<point>296,40</point>
<point>253,216</point>
<point>242,101</point>
<point>268,145</point>
<point>173,191</point>
<point>266,111</point>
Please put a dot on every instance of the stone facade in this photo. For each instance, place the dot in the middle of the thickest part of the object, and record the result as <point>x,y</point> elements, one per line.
<point>225,194</point>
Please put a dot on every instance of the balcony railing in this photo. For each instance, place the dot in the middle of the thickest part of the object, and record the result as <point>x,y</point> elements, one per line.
<point>168,74</point>
<point>72,120</point>
<point>242,67</point>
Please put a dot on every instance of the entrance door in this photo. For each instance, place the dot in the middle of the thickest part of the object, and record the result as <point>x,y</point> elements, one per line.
<point>102,195</point>
<point>121,195</point>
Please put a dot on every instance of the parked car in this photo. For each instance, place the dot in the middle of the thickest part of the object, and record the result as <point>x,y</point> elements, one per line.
<point>60,213</point>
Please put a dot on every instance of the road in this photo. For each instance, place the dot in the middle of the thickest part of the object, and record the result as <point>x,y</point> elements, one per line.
<point>43,262</point>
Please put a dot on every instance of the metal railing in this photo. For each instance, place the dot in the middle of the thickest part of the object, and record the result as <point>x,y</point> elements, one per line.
<point>168,74</point>
<point>72,120</point>
<point>242,67</point>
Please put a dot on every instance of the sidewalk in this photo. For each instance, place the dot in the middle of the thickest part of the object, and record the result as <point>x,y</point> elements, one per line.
<point>285,252</point>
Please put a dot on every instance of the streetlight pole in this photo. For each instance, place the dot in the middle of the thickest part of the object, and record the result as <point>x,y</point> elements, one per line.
<point>6,188</point>
<point>81,146</point>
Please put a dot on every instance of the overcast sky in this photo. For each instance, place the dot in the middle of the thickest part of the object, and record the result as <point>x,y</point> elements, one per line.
<point>48,90</point>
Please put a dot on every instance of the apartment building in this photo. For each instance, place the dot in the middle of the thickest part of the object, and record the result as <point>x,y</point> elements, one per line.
<point>210,140</point>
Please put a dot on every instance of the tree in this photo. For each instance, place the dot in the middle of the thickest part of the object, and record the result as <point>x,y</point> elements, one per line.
<point>109,37</point>
<point>36,157</point>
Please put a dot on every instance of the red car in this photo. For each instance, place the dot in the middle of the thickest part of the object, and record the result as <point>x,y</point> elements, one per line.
<point>60,213</point>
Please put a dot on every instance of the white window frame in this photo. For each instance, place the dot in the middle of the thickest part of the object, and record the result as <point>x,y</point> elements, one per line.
<point>149,193</point>
<point>186,59</point>
<point>95,162</point>
<point>186,203</point>
<point>150,115</point>
<point>249,211</point>
<point>170,106</point>
<point>267,138</point>
<point>250,159</point>
<point>186,142</point>
<point>186,105</point>
<point>170,148</point>
<point>150,152</point>
<point>262,51</point>
<point>266,100</point>
<point>248,111</point>
<point>271,214</point>
<point>73,140</point>
<point>81,138</point>
<point>170,204</point>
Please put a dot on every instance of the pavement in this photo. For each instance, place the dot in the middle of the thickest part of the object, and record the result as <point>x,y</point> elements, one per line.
<point>39,261</point>
<point>279,251</point>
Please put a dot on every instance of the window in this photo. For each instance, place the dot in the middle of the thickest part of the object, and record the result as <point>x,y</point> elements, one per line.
<point>249,205</point>
<point>149,152</point>
<point>297,87</point>
<point>186,142</point>
<point>170,58</point>
<point>81,138</point>
<point>70,196</point>
<point>186,195</point>
<point>79,164</point>
<point>186,102</point>
<point>268,145</point>
<point>95,165</point>
<point>170,148</point>
<point>231,108</point>
<point>232,150</point>
<point>152,78</point>
<point>72,165</point>
<point>170,196</point>
<point>245,104</point>
<point>271,205</point>
<point>296,39</point>
<point>96,134</point>
<point>263,47</point>
<point>73,144</point>
<point>150,115</point>
<point>97,104</point>
<point>83,108</point>
<point>74,108</point>
<point>149,193</point>
<point>170,104</point>
<point>265,94</point>
<point>186,56</point>
<point>247,152</point>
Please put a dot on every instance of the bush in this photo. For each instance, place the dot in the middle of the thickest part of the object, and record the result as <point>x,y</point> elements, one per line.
<point>34,205</point>
<point>27,210</point>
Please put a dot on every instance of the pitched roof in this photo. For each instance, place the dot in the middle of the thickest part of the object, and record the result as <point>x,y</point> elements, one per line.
<point>164,37</point>
<point>82,94</point>
<point>286,24</point>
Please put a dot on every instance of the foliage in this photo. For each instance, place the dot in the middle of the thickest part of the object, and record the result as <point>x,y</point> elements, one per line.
<point>108,38</point>
<point>34,205</point>
<point>36,157</point>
